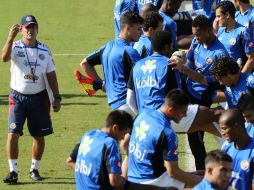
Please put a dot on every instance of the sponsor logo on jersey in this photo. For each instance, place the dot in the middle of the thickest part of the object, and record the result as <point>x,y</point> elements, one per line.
<point>232,41</point>
<point>146,82</point>
<point>85,146</point>
<point>209,60</point>
<point>20,54</point>
<point>134,148</point>
<point>245,165</point>
<point>142,2</point>
<point>140,132</point>
<point>13,126</point>
<point>149,66</point>
<point>42,57</point>
<point>82,167</point>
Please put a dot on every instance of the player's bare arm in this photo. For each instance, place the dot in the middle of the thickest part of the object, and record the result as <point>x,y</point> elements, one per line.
<point>6,51</point>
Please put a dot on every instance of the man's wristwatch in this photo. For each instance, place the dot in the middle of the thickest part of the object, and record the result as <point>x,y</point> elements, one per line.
<point>57,96</point>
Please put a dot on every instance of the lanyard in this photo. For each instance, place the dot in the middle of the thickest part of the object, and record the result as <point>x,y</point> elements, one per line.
<point>32,70</point>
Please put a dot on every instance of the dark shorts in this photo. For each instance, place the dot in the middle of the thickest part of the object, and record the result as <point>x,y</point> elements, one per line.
<point>35,108</point>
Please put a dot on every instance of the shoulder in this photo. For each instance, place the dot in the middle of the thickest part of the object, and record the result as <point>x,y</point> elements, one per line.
<point>43,47</point>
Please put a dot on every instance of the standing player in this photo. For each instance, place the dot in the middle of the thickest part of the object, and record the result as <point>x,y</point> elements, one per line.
<point>98,163</point>
<point>168,9</point>
<point>240,147</point>
<point>32,70</point>
<point>245,14</point>
<point>121,7</point>
<point>153,155</point>
<point>218,169</point>
<point>237,39</point>
<point>246,106</point>
<point>117,58</point>
<point>152,22</point>
<point>205,48</point>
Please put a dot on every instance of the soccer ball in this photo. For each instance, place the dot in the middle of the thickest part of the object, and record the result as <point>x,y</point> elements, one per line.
<point>179,56</point>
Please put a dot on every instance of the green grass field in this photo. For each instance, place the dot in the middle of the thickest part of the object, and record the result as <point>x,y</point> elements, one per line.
<point>67,27</point>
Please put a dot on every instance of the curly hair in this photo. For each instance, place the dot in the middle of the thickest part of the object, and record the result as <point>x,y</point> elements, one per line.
<point>246,102</point>
<point>202,22</point>
<point>224,66</point>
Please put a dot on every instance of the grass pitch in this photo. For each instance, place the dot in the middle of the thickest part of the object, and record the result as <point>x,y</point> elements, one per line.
<point>68,27</point>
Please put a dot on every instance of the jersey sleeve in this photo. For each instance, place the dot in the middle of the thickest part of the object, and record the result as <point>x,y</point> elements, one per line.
<point>247,40</point>
<point>74,152</point>
<point>170,150</point>
<point>114,160</point>
<point>51,64</point>
<point>130,84</point>
<point>95,57</point>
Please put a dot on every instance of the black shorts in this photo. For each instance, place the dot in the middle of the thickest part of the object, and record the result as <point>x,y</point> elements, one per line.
<point>35,108</point>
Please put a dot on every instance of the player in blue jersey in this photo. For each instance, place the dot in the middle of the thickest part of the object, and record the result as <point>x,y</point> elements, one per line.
<point>142,3</point>
<point>168,9</point>
<point>240,147</point>
<point>153,155</point>
<point>218,170</point>
<point>237,39</point>
<point>117,58</point>
<point>152,22</point>
<point>98,164</point>
<point>205,48</point>
<point>245,14</point>
<point>121,7</point>
<point>246,106</point>
<point>226,72</point>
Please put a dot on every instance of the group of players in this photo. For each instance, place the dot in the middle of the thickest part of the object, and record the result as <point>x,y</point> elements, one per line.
<point>169,92</point>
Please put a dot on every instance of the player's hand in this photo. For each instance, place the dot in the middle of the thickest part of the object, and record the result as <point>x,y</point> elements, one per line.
<point>56,105</point>
<point>14,30</point>
<point>176,64</point>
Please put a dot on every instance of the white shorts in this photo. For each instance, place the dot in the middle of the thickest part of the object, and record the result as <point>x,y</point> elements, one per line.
<point>184,125</point>
<point>126,108</point>
<point>165,181</point>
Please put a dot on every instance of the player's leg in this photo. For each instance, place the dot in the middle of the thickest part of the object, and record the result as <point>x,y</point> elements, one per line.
<point>17,116</point>
<point>39,125</point>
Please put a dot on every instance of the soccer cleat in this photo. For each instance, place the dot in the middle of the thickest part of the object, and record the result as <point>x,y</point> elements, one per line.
<point>86,82</point>
<point>34,175</point>
<point>11,178</point>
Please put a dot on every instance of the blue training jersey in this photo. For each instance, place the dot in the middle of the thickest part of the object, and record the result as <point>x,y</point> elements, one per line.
<point>117,59</point>
<point>200,59</point>
<point>141,3</point>
<point>249,129</point>
<point>151,79</point>
<point>98,156</point>
<point>144,46</point>
<point>170,25</point>
<point>246,19</point>
<point>233,93</point>
<point>152,141</point>
<point>243,160</point>
<point>121,7</point>
<point>204,185</point>
<point>238,42</point>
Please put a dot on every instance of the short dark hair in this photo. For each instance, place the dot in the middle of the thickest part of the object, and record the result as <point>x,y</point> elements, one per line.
<point>226,7</point>
<point>160,39</point>
<point>245,1</point>
<point>130,18</point>
<point>176,98</point>
<point>224,66</point>
<point>152,19</point>
<point>121,118</point>
<point>246,102</point>
<point>202,22</point>
<point>232,117</point>
<point>148,7</point>
<point>216,156</point>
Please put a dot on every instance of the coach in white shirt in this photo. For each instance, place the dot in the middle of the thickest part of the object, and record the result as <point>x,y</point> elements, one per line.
<point>32,74</point>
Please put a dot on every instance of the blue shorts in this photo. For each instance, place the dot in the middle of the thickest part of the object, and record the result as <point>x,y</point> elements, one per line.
<point>35,108</point>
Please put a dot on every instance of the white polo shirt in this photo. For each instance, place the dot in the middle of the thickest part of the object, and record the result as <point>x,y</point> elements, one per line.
<point>28,66</point>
